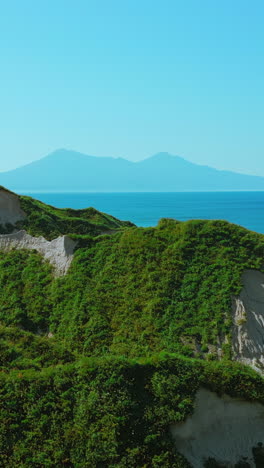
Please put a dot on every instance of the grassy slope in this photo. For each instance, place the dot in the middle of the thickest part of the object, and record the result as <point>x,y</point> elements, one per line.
<point>138,291</point>
<point>108,412</point>
<point>51,222</point>
<point>105,389</point>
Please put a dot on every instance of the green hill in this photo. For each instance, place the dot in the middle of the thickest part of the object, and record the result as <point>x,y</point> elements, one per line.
<point>50,222</point>
<point>96,365</point>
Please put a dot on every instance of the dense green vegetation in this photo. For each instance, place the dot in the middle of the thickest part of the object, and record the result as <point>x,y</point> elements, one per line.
<point>109,412</point>
<point>139,291</point>
<point>50,222</point>
<point>95,366</point>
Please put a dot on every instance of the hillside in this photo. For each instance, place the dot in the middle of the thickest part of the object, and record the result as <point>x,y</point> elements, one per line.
<point>101,366</point>
<point>68,171</point>
<point>37,218</point>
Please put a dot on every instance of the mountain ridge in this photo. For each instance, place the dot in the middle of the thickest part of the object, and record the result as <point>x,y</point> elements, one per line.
<point>66,170</point>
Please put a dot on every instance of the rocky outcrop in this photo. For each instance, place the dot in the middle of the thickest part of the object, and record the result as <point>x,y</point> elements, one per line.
<point>10,210</point>
<point>248,321</point>
<point>224,429</point>
<point>59,252</point>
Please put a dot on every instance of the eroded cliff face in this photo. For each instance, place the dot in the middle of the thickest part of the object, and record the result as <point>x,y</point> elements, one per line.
<point>10,210</point>
<point>248,321</point>
<point>224,429</point>
<point>59,252</point>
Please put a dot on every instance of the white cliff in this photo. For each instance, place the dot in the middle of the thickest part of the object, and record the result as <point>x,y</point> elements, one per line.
<point>223,428</point>
<point>10,210</point>
<point>248,321</point>
<point>59,252</point>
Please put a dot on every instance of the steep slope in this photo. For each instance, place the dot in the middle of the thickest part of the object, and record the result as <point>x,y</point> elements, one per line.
<point>102,366</point>
<point>223,428</point>
<point>28,224</point>
<point>10,209</point>
<point>66,170</point>
<point>37,218</point>
<point>144,290</point>
<point>248,318</point>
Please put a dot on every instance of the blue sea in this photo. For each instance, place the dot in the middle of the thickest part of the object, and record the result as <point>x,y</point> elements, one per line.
<point>145,209</point>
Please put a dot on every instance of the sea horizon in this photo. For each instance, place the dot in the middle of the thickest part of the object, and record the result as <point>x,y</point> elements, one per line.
<point>245,208</point>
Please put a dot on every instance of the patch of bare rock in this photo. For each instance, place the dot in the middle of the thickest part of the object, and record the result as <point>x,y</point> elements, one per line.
<point>10,210</point>
<point>248,321</point>
<point>223,429</point>
<point>59,252</point>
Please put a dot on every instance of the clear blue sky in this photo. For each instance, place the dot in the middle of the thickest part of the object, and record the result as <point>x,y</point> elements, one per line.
<point>132,78</point>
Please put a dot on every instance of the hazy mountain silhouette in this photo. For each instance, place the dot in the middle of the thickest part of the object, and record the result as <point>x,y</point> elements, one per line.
<point>65,170</point>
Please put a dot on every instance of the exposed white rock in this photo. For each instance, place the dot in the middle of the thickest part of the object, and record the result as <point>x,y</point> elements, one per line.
<point>59,252</point>
<point>225,429</point>
<point>248,320</point>
<point>10,210</point>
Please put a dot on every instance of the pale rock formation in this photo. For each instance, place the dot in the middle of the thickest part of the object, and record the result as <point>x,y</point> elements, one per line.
<point>223,428</point>
<point>59,252</point>
<point>248,321</point>
<point>10,210</point>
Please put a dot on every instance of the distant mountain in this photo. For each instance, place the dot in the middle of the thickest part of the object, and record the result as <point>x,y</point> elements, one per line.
<point>65,170</point>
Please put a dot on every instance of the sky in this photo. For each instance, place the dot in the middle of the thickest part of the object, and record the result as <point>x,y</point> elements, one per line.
<point>131,78</point>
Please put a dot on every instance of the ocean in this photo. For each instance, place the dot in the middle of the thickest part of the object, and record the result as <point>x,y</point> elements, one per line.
<point>145,209</point>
